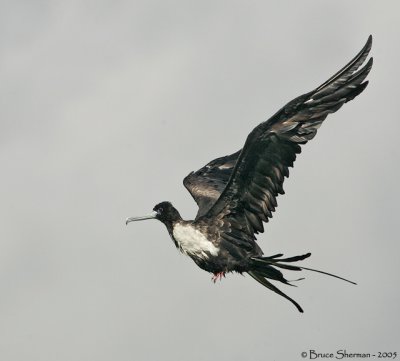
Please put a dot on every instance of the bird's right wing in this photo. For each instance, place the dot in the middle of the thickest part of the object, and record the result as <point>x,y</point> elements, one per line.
<point>249,197</point>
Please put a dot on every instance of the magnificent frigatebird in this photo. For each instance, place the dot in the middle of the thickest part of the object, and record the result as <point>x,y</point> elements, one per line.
<point>237,193</point>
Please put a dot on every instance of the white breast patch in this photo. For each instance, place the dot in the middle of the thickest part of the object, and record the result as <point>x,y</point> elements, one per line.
<point>192,242</point>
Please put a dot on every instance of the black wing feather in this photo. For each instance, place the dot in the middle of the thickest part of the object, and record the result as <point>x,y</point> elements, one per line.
<point>207,184</point>
<point>249,197</point>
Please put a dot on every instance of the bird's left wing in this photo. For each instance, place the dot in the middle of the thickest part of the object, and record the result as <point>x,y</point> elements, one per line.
<point>249,197</point>
<point>207,184</point>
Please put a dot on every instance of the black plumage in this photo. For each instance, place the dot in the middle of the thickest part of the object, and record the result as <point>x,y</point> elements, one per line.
<point>237,193</point>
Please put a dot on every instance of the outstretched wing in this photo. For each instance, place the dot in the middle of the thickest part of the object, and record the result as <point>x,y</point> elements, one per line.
<point>249,197</point>
<point>207,184</point>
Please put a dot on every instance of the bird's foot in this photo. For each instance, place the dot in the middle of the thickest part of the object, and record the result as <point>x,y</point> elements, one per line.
<point>217,275</point>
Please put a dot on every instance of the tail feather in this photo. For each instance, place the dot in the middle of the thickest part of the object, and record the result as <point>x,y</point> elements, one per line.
<point>289,259</point>
<point>269,285</point>
<point>264,267</point>
<point>277,263</point>
<point>269,272</point>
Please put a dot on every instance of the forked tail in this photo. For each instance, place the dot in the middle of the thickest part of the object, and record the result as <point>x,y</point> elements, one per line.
<point>264,267</point>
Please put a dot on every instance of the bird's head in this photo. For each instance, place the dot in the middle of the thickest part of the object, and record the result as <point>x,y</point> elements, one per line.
<point>164,212</point>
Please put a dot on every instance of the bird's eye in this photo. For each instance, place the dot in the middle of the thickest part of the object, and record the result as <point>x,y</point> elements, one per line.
<point>159,210</point>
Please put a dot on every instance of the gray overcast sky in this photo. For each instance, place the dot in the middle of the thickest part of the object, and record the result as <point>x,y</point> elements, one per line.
<point>107,105</point>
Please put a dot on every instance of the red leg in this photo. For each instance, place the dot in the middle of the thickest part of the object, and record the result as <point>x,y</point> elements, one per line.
<point>217,275</point>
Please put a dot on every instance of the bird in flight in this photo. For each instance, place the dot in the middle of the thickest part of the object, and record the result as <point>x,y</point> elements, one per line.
<point>237,193</point>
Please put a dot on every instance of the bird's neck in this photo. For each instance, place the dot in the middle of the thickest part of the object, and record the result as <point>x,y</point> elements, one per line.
<point>170,227</point>
<point>170,224</point>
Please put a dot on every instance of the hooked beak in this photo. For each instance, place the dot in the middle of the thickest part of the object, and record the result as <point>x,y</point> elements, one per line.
<point>152,215</point>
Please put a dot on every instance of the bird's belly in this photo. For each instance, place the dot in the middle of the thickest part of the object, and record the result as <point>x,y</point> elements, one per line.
<point>193,242</point>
